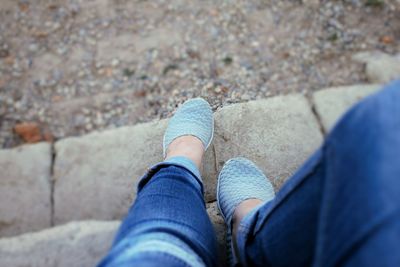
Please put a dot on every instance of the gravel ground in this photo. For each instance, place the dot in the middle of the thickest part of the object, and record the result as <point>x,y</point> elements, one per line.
<point>73,66</point>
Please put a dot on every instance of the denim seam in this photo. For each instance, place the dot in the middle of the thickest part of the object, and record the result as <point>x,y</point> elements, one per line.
<point>321,233</point>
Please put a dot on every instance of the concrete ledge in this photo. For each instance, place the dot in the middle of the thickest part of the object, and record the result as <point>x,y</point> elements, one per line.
<point>80,244</point>
<point>278,133</point>
<point>25,189</point>
<point>379,67</point>
<point>332,103</point>
<point>96,175</point>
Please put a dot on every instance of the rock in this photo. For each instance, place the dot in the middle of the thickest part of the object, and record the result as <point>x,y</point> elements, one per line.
<point>28,131</point>
<point>4,53</point>
<point>96,175</point>
<point>245,97</point>
<point>278,134</point>
<point>79,120</point>
<point>115,62</point>
<point>386,39</point>
<point>25,189</point>
<point>81,244</point>
<point>33,47</point>
<point>380,67</point>
<point>331,103</point>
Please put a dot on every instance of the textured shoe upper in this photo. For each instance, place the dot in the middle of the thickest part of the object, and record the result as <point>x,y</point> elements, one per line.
<point>241,179</point>
<point>195,118</point>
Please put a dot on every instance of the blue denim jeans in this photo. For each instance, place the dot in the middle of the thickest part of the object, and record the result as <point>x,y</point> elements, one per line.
<point>342,208</point>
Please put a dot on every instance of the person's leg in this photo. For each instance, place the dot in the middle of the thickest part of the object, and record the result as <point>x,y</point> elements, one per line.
<point>240,181</point>
<point>168,224</point>
<point>342,208</point>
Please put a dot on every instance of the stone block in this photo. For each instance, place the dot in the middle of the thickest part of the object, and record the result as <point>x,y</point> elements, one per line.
<point>25,201</point>
<point>380,67</point>
<point>278,134</point>
<point>81,244</point>
<point>332,103</point>
<point>96,175</point>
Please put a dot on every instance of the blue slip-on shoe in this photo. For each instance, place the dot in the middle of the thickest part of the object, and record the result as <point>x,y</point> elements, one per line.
<point>240,179</point>
<point>194,118</point>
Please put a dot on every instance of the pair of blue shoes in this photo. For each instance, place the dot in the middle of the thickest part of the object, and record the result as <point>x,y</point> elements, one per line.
<point>239,179</point>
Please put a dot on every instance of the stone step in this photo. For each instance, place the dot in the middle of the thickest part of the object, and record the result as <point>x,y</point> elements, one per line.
<point>25,189</point>
<point>379,67</point>
<point>331,103</point>
<point>74,244</point>
<point>94,177</point>
<point>82,243</point>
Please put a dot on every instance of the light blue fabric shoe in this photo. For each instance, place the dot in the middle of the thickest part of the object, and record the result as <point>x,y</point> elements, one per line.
<point>195,118</point>
<point>240,179</point>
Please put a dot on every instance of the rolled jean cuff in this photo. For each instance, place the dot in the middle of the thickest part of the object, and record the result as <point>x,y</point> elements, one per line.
<point>158,244</point>
<point>178,161</point>
<point>186,163</point>
<point>246,230</point>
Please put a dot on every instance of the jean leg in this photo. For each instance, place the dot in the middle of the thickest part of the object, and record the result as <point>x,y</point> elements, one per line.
<point>280,233</point>
<point>343,205</point>
<point>169,209</point>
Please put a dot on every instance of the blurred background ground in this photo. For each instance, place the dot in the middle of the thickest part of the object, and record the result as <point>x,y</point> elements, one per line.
<point>68,67</point>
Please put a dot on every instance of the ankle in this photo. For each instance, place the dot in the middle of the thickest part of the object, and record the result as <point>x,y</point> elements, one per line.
<point>187,146</point>
<point>245,207</point>
<point>240,212</point>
